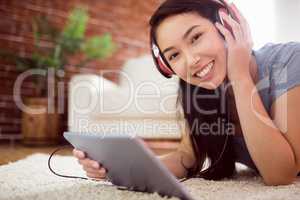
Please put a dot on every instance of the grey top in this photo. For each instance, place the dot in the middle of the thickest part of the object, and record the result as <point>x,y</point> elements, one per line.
<point>278,71</point>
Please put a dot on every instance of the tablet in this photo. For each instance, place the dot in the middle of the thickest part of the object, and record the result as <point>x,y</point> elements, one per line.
<point>130,163</point>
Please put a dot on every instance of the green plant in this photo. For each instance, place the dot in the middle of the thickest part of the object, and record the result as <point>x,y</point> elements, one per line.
<point>53,47</point>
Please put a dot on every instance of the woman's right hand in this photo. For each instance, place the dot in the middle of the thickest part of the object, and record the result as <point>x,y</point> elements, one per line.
<point>92,168</point>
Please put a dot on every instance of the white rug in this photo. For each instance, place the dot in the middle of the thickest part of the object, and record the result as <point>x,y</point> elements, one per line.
<point>31,179</point>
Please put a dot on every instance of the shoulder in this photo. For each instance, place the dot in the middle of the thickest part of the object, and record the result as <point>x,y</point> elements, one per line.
<point>279,68</point>
<point>284,66</point>
<point>272,53</point>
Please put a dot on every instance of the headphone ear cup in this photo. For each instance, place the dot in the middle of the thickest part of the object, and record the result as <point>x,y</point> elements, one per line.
<point>167,72</point>
<point>160,62</point>
<point>218,18</point>
<point>221,21</point>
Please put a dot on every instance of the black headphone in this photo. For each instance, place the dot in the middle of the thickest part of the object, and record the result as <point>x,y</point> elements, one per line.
<point>160,61</point>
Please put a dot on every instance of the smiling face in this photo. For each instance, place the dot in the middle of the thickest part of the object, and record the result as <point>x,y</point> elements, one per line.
<point>194,49</point>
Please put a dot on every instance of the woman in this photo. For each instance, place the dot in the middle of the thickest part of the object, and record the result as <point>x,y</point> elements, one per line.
<point>247,90</point>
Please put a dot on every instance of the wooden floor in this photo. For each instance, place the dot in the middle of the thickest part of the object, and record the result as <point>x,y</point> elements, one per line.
<point>13,152</point>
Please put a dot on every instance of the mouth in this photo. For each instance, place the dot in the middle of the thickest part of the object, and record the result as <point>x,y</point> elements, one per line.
<point>205,71</point>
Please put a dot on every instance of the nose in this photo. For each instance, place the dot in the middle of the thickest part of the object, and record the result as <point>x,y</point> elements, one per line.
<point>192,59</point>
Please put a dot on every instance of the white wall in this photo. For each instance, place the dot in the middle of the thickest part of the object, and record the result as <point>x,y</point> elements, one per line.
<point>287,20</point>
<point>272,20</point>
<point>260,18</point>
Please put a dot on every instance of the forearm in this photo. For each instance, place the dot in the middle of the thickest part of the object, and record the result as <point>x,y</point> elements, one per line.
<point>269,150</point>
<point>173,162</point>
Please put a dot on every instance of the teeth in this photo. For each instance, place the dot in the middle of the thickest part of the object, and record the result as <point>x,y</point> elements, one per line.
<point>205,71</point>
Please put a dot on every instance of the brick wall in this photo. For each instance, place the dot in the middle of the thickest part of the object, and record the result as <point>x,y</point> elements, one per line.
<point>126,20</point>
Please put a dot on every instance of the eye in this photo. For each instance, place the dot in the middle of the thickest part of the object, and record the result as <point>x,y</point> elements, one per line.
<point>196,37</point>
<point>173,56</point>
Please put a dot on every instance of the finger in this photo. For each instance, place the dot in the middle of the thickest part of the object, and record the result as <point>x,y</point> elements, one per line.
<point>248,34</point>
<point>243,22</point>
<point>89,163</point>
<point>98,173</point>
<point>101,171</point>
<point>240,17</point>
<point>78,154</point>
<point>235,26</point>
<point>228,5</point>
<point>92,175</point>
<point>228,36</point>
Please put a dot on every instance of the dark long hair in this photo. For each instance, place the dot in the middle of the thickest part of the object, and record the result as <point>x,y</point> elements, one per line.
<point>205,146</point>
